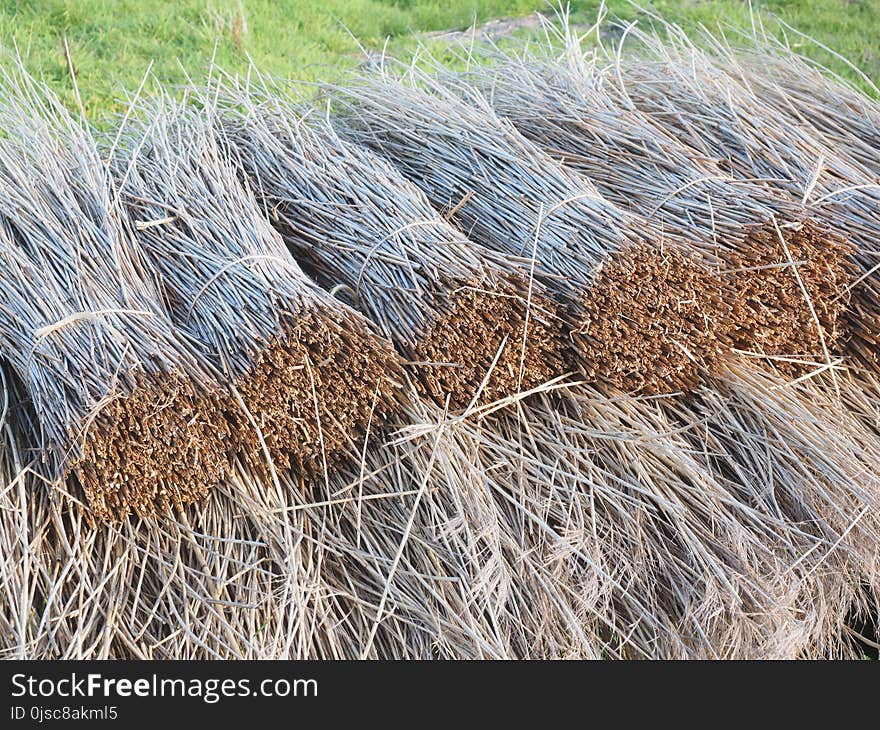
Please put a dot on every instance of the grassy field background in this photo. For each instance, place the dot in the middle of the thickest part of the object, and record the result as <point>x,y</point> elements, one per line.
<point>111,42</point>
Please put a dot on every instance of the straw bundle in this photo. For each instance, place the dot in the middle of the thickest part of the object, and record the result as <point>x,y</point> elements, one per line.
<point>704,102</point>
<point>311,374</point>
<point>696,557</point>
<point>118,393</point>
<point>462,314</point>
<point>642,313</point>
<point>566,108</point>
<point>843,171</point>
<point>406,556</point>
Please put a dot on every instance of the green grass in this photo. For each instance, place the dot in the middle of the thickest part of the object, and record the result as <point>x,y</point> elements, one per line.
<point>113,42</point>
<point>851,28</point>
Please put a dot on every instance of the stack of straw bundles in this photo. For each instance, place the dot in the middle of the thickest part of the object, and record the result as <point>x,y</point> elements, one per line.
<point>719,110</point>
<point>573,121</point>
<point>471,321</point>
<point>642,313</point>
<point>564,106</point>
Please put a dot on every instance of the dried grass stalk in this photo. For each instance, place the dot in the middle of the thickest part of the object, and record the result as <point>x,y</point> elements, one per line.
<point>461,313</point>
<point>642,313</point>
<point>311,374</point>
<point>693,562</point>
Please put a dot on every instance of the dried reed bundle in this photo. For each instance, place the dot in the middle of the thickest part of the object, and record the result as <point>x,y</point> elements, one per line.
<point>691,566</point>
<point>123,401</point>
<point>643,314</point>
<point>406,557</point>
<point>792,453</point>
<point>712,106</point>
<point>563,105</point>
<point>311,374</point>
<point>844,180</point>
<point>513,602</point>
<point>462,314</point>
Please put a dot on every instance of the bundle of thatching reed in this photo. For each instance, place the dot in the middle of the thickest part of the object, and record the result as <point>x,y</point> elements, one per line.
<point>559,100</point>
<point>471,321</point>
<point>711,104</point>
<point>700,550</point>
<point>643,314</point>
<point>124,402</point>
<point>796,454</point>
<point>840,126</point>
<point>309,375</point>
<point>406,555</point>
